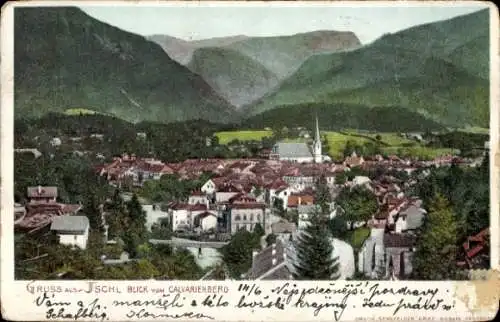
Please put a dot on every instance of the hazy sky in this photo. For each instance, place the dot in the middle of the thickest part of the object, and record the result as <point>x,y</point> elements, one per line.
<point>200,20</point>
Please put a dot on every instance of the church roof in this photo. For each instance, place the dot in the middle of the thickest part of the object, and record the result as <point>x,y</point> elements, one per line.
<point>293,150</point>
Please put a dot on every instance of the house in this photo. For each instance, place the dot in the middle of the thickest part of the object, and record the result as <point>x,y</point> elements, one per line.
<point>198,197</point>
<point>209,187</point>
<point>283,229</point>
<point>72,230</point>
<point>182,216</point>
<point>37,195</point>
<point>154,215</point>
<point>410,218</point>
<point>39,215</point>
<point>246,216</point>
<point>299,152</point>
<point>353,161</point>
<point>271,263</point>
<point>476,247</point>
<point>304,211</point>
<point>278,190</point>
<point>399,249</point>
<point>294,200</point>
<point>360,181</point>
<point>291,151</point>
<point>205,221</point>
<point>55,142</point>
<point>371,257</point>
<point>225,193</point>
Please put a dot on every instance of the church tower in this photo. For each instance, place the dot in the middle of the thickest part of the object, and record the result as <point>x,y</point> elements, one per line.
<point>318,158</point>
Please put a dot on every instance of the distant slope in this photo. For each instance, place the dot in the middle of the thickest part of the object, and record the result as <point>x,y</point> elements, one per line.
<point>340,116</point>
<point>421,69</point>
<point>182,50</point>
<point>284,54</point>
<point>66,59</point>
<point>237,78</point>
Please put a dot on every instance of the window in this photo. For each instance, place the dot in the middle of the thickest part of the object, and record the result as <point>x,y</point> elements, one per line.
<point>237,227</point>
<point>258,217</point>
<point>75,237</point>
<point>244,217</point>
<point>251,217</point>
<point>237,218</point>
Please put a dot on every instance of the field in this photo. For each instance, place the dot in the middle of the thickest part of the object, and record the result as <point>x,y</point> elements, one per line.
<point>391,143</point>
<point>226,137</point>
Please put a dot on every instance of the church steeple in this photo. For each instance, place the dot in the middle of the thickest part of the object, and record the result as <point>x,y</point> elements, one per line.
<point>317,144</point>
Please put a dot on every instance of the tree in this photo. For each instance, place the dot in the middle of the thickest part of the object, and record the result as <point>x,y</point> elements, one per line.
<point>338,227</point>
<point>135,212</point>
<point>258,230</point>
<point>341,178</point>
<point>314,252</point>
<point>436,248</point>
<point>358,203</point>
<point>270,239</point>
<point>322,196</point>
<point>92,210</point>
<point>238,253</point>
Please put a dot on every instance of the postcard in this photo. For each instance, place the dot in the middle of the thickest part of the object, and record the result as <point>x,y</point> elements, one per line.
<point>249,161</point>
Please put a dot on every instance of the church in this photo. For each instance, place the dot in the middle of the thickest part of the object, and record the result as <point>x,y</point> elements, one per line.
<point>300,152</point>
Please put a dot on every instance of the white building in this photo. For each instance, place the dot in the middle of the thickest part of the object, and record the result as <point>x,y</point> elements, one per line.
<point>182,216</point>
<point>205,221</point>
<point>72,230</point>
<point>153,215</point>
<point>300,152</point>
<point>247,216</point>
<point>209,187</point>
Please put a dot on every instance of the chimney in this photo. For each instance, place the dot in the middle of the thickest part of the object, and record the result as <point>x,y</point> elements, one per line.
<point>299,201</point>
<point>274,261</point>
<point>274,245</point>
<point>274,252</point>
<point>39,189</point>
<point>254,253</point>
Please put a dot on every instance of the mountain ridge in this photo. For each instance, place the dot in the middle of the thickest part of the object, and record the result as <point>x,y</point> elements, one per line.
<point>86,63</point>
<point>398,59</point>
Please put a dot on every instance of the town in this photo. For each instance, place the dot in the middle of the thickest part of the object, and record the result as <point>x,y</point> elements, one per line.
<point>244,218</point>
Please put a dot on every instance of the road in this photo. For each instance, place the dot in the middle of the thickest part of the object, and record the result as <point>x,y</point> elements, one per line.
<point>188,243</point>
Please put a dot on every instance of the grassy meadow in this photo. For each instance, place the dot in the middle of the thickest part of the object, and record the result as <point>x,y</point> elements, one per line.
<point>228,136</point>
<point>391,143</point>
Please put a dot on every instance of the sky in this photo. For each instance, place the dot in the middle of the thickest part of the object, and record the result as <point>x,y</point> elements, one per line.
<point>194,21</point>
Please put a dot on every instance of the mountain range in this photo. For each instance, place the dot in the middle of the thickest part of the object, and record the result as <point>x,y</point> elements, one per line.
<point>65,59</point>
<point>439,70</point>
<point>244,69</point>
<point>437,73</point>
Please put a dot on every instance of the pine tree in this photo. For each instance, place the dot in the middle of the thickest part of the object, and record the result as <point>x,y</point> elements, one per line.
<point>436,251</point>
<point>314,252</point>
<point>92,210</point>
<point>137,216</point>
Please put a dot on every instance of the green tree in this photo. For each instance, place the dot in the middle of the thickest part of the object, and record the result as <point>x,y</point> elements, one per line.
<point>314,252</point>
<point>92,210</point>
<point>358,203</point>
<point>238,253</point>
<point>341,178</point>
<point>258,230</point>
<point>338,227</point>
<point>435,256</point>
<point>322,195</point>
<point>270,239</point>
